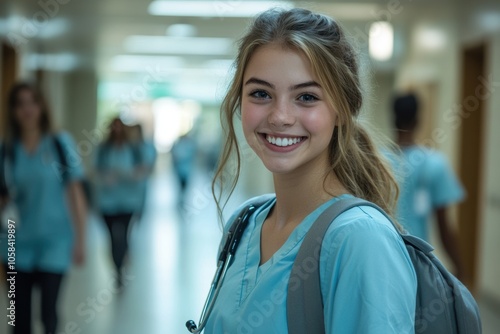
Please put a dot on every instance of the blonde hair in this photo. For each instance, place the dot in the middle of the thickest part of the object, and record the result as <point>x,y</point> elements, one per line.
<point>354,157</point>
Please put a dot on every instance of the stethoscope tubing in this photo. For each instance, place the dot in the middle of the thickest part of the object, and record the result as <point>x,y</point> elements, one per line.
<point>212,295</point>
<point>225,258</point>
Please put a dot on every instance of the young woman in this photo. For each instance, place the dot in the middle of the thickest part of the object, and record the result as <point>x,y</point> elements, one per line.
<point>297,88</point>
<point>119,172</point>
<point>42,177</point>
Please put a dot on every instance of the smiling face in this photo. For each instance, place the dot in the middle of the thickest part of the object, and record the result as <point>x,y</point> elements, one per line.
<point>286,119</point>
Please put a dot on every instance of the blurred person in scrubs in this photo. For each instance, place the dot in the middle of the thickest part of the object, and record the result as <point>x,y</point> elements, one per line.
<point>428,185</point>
<point>183,159</point>
<point>50,233</point>
<point>119,172</point>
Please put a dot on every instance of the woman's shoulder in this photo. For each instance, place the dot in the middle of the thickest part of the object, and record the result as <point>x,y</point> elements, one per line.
<point>363,240</point>
<point>362,228</point>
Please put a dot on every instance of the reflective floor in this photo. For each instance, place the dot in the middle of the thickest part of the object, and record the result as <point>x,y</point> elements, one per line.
<point>170,266</point>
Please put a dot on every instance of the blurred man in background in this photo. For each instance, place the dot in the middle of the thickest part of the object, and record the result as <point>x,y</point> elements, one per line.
<point>428,185</point>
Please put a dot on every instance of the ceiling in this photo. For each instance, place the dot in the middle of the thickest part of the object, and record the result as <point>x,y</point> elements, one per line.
<point>91,33</point>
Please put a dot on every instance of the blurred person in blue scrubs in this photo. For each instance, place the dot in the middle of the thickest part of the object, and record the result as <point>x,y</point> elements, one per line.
<point>183,159</point>
<point>428,185</point>
<point>149,155</point>
<point>50,233</point>
<point>297,93</point>
<point>119,172</point>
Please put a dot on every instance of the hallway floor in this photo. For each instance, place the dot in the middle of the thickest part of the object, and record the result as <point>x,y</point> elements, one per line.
<point>170,266</point>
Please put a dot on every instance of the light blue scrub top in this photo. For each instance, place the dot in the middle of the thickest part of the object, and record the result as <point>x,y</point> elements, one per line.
<point>44,234</point>
<point>124,193</point>
<point>368,282</point>
<point>426,182</point>
<point>149,153</point>
<point>183,156</point>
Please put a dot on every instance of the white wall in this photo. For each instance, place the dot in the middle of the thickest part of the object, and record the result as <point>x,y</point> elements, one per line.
<point>81,111</point>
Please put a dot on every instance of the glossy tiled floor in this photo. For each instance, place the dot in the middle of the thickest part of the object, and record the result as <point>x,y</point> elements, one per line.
<point>171,262</point>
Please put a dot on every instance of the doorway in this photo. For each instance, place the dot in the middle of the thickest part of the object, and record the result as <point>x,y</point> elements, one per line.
<point>471,157</point>
<point>8,71</point>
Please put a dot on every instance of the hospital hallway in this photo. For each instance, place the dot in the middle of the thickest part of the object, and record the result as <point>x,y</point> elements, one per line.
<point>169,270</point>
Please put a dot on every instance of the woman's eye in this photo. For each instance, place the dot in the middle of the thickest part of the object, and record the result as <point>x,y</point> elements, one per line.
<point>307,98</point>
<point>259,94</point>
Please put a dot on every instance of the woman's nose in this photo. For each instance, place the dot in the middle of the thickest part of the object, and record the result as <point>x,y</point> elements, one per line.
<point>281,115</point>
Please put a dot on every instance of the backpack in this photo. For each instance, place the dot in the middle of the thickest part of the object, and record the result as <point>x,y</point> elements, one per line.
<point>443,303</point>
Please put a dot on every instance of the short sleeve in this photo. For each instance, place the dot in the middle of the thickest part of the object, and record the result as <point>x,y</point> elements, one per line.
<point>445,189</point>
<point>74,161</point>
<point>368,281</point>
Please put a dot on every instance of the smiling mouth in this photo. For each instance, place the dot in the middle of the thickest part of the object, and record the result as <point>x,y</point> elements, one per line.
<point>282,141</point>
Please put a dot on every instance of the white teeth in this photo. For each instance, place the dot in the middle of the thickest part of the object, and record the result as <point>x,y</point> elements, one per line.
<point>282,142</point>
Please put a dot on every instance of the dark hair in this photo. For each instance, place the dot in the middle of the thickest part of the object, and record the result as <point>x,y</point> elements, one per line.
<point>12,129</point>
<point>405,111</point>
<point>112,134</point>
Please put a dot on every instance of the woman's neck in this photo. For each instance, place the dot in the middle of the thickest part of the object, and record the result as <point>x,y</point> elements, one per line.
<point>302,191</point>
<point>405,138</point>
<point>118,141</point>
<point>31,138</point>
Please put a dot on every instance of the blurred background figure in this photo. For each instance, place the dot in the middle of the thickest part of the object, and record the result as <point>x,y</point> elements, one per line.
<point>183,158</point>
<point>428,185</point>
<point>41,174</point>
<point>119,174</point>
<point>148,160</point>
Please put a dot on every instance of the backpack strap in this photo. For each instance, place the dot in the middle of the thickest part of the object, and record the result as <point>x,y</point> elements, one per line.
<point>62,158</point>
<point>304,299</point>
<point>136,154</point>
<point>6,153</point>
<point>3,182</point>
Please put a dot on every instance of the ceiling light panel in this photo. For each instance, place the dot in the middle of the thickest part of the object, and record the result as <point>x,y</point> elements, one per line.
<point>213,8</point>
<point>179,45</point>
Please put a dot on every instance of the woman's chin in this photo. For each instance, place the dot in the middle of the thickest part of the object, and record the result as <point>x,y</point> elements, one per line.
<point>278,167</point>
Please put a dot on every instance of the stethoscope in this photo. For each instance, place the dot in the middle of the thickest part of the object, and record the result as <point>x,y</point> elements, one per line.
<point>232,241</point>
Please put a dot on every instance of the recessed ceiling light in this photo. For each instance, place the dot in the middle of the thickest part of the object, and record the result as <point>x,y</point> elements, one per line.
<point>179,45</point>
<point>53,62</point>
<point>213,8</point>
<point>381,40</point>
<point>181,30</point>
<point>141,63</point>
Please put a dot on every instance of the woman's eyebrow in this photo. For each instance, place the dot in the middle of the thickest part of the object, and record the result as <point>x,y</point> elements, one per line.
<point>259,81</point>
<point>254,80</point>
<point>305,85</point>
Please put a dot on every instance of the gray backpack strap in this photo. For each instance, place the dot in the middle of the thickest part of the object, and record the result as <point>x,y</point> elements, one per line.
<point>304,305</point>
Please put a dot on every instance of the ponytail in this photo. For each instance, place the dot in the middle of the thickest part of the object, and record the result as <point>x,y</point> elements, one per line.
<point>361,168</point>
